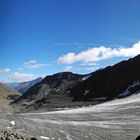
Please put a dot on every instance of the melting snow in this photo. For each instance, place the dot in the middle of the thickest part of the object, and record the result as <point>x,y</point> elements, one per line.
<point>127,92</point>
<point>43,137</point>
<point>86,77</point>
<point>12,123</point>
<point>9,127</point>
<point>86,92</point>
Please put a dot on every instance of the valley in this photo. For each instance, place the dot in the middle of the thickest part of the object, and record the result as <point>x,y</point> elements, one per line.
<point>115,120</point>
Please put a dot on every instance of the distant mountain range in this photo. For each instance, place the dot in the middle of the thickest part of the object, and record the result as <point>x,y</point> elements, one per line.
<point>24,86</point>
<point>67,89</point>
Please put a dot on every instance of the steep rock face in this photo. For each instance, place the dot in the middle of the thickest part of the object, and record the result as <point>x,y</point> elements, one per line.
<point>6,96</point>
<point>53,88</point>
<point>109,82</point>
<point>24,86</point>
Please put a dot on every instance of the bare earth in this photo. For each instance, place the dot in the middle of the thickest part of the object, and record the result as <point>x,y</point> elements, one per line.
<point>115,120</point>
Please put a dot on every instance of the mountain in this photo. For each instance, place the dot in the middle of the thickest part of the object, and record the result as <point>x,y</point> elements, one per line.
<point>24,86</point>
<point>52,90</point>
<point>66,89</point>
<point>116,81</point>
<point>7,95</point>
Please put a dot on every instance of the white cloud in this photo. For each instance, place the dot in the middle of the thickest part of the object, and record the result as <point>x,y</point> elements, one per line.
<point>92,68</point>
<point>18,77</point>
<point>89,68</point>
<point>100,53</point>
<point>89,64</point>
<point>32,64</point>
<point>21,76</point>
<point>68,68</point>
<point>4,71</point>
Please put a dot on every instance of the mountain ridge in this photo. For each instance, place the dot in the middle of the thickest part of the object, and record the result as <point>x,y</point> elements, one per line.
<point>66,89</point>
<point>110,81</point>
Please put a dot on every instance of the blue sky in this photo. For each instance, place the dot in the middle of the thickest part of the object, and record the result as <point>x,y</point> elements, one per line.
<point>41,37</point>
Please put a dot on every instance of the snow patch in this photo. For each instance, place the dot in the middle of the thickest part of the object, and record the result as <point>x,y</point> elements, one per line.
<point>127,91</point>
<point>12,123</point>
<point>9,127</point>
<point>57,90</point>
<point>44,137</point>
<point>68,137</point>
<point>86,77</point>
<point>86,92</point>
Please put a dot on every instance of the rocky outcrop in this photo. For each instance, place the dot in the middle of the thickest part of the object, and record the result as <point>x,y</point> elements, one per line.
<point>13,135</point>
<point>138,138</point>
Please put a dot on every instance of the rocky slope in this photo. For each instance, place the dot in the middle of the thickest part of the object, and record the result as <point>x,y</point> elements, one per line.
<point>52,90</point>
<point>6,96</point>
<point>115,81</point>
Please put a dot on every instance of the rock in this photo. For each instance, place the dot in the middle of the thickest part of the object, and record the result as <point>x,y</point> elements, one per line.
<point>138,138</point>
<point>33,139</point>
<point>12,135</point>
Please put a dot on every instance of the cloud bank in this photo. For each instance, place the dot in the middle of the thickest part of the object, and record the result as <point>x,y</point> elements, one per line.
<point>18,77</point>
<point>32,64</point>
<point>4,71</point>
<point>99,53</point>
